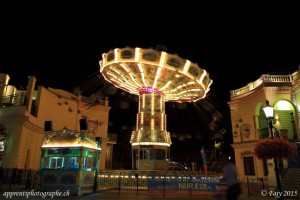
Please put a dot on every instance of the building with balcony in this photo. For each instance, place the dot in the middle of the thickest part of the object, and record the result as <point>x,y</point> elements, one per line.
<point>249,123</point>
<point>26,114</point>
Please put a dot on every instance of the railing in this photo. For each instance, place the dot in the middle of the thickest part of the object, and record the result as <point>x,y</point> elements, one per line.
<point>263,79</point>
<point>93,100</point>
<point>254,186</point>
<point>13,100</point>
<point>158,183</point>
<point>140,182</point>
<point>13,178</point>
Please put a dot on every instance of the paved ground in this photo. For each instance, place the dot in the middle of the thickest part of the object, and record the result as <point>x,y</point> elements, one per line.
<point>123,195</point>
<point>131,196</point>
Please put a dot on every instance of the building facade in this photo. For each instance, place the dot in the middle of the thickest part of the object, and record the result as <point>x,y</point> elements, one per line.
<point>25,114</point>
<point>249,123</point>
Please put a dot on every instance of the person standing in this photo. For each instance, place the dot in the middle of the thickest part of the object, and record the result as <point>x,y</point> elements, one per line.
<point>233,186</point>
<point>204,160</point>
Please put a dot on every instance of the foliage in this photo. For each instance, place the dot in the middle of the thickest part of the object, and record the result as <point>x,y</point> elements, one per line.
<point>276,148</point>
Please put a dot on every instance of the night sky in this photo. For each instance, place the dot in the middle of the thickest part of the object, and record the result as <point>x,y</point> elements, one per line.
<point>61,44</point>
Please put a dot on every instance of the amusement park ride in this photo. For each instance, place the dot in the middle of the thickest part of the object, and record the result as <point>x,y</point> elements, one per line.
<point>156,77</point>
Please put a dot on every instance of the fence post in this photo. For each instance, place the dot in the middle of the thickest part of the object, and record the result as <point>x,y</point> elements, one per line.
<point>1,176</point>
<point>120,183</point>
<point>137,183</point>
<point>190,189</point>
<point>95,187</point>
<point>262,182</point>
<point>248,187</point>
<point>28,179</point>
<point>164,186</point>
<point>12,177</point>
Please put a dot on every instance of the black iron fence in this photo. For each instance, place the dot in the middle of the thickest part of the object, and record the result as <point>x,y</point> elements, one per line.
<point>168,183</point>
<point>155,183</point>
<point>11,179</point>
<point>254,186</point>
<point>165,183</point>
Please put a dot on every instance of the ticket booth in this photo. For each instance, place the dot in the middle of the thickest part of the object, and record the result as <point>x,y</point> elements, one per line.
<point>69,162</point>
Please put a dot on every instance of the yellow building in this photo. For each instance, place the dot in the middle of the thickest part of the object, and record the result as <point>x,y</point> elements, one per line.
<point>249,123</point>
<point>24,114</point>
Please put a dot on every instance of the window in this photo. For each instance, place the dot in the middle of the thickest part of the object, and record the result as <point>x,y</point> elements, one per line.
<point>249,166</point>
<point>146,153</point>
<point>160,154</point>
<point>56,162</point>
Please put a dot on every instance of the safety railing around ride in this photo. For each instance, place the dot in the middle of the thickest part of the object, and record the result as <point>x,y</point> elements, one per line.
<point>163,183</point>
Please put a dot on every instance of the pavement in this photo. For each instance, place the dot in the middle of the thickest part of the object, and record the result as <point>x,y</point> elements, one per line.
<point>20,194</point>
<point>128,196</point>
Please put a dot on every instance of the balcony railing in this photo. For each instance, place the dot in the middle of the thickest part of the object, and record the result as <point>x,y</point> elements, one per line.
<point>265,78</point>
<point>13,100</point>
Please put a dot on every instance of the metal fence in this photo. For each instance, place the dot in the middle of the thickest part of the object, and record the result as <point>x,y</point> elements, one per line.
<point>172,183</point>
<point>11,179</point>
<point>254,186</point>
<point>165,183</point>
<point>13,100</point>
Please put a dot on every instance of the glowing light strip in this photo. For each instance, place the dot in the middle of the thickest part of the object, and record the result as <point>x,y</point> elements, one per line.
<point>137,54</point>
<point>182,92</point>
<point>186,66</point>
<point>161,63</point>
<point>202,76</point>
<point>199,98</point>
<point>152,112</point>
<point>116,55</point>
<point>162,121</point>
<point>142,118</point>
<point>108,80</point>
<point>111,74</point>
<point>162,58</point>
<point>69,145</point>
<point>137,122</point>
<point>142,74</point>
<point>143,101</point>
<point>101,64</point>
<point>125,84</point>
<point>161,103</point>
<point>124,67</point>
<point>194,90</point>
<point>208,87</point>
<point>165,86</point>
<point>115,70</point>
<point>156,76</point>
<point>150,143</point>
<point>119,75</point>
<point>129,88</point>
<point>126,81</point>
<point>180,86</point>
<point>130,74</point>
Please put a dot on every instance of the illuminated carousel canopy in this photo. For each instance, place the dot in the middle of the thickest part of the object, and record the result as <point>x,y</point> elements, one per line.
<point>137,71</point>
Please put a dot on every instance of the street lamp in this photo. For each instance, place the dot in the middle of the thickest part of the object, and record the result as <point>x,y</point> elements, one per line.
<point>269,112</point>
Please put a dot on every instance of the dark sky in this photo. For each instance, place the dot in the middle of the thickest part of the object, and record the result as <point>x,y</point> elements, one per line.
<point>62,43</point>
